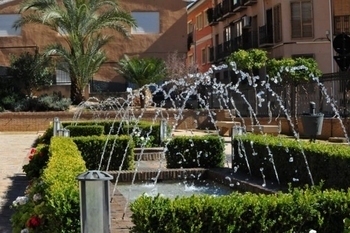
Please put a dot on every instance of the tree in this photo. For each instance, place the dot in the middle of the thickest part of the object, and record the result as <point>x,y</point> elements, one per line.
<point>30,71</point>
<point>80,23</point>
<point>292,72</point>
<point>249,60</point>
<point>142,71</point>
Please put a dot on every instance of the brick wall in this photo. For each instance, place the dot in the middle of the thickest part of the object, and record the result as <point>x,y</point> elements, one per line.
<point>189,119</point>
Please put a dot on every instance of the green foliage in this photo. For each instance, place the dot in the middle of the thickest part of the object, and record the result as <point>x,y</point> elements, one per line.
<point>46,102</point>
<point>283,157</point>
<point>249,59</point>
<point>142,71</point>
<point>137,130</point>
<point>197,151</point>
<point>85,130</point>
<point>84,38</point>
<point>37,162</point>
<point>297,211</point>
<point>53,199</point>
<point>118,149</point>
<point>292,70</point>
<point>31,71</point>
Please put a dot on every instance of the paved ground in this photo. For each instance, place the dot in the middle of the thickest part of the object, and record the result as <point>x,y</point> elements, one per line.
<point>14,148</point>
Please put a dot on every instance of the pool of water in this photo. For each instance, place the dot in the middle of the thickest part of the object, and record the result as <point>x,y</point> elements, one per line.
<point>172,189</point>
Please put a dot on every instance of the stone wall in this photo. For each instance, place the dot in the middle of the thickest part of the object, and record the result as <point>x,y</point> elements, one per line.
<point>188,119</point>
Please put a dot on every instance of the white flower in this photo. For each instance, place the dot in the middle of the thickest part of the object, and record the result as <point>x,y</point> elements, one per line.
<point>20,200</point>
<point>25,230</point>
<point>36,197</point>
<point>142,138</point>
<point>312,231</point>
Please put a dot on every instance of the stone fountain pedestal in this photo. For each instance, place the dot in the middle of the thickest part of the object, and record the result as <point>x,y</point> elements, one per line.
<point>149,154</point>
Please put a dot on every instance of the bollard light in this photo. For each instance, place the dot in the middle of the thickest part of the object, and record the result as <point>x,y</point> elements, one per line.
<point>66,133</point>
<point>94,201</point>
<point>56,126</point>
<point>163,130</point>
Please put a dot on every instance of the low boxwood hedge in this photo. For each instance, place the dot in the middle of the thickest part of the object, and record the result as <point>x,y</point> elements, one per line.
<point>297,211</point>
<point>115,151</point>
<point>52,202</point>
<point>289,160</point>
<point>86,130</point>
<point>195,151</point>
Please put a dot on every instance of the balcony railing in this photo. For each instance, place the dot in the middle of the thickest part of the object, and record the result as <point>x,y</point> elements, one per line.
<point>227,8</point>
<point>239,6</point>
<point>249,2</point>
<point>211,16</point>
<point>212,54</point>
<point>265,37</point>
<point>189,40</point>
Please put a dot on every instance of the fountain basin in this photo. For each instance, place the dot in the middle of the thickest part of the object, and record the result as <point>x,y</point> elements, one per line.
<point>173,189</point>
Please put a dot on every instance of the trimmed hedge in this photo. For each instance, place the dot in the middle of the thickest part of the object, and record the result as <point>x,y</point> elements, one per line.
<point>297,211</point>
<point>285,157</point>
<point>62,189</point>
<point>143,129</point>
<point>86,130</point>
<point>93,147</point>
<point>52,200</point>
<point>195,151</point>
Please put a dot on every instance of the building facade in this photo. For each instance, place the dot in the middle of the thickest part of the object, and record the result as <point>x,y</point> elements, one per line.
<point>161,30</point>
<point>199,39</point>
<point>283,28</point>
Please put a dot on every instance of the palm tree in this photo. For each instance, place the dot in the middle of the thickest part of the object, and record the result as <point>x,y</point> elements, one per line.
<point>80,23</point>
<point>142,71</point>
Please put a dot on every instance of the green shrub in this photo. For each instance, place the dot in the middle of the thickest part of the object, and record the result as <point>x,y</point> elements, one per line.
<point>197,151</point>
<point>118,149</point>
<point>290,160</point>
<point>37,161</point>
<point>57,209</point>
<point>85,130</point>
<point>297,211</point>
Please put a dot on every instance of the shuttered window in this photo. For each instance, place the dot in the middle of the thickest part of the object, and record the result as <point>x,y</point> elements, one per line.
<point>302,19</point>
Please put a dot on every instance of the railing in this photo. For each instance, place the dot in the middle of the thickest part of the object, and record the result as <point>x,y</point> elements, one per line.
<point>249,2</point>
<point>211,54</point>
<point>334,99</point>
<point>227,7</point>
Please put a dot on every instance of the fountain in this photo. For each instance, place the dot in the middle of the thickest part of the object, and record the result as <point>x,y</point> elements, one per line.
<point>211,93</point>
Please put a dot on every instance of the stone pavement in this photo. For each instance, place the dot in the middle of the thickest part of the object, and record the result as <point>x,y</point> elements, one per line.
<point>14,148</point>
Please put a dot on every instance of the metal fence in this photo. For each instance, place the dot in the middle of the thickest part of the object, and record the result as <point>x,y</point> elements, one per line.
<point>331,95</point>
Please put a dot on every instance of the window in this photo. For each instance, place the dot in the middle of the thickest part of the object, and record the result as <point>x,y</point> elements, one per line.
<point>205,19</point>
<point>189,27</point>
<point>147,23</point>
<point>62,76</point>
<point>204,56</point>
<point>199,21</point>
<point>342,24</point>
<point>302,19</point>
<point>277,20</point>
<point>6,23</point>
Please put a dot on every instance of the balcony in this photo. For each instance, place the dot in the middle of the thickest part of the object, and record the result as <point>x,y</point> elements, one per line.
<point>189,40</point>
<point>211,54</point>
<point>249,2</point>
<point>239,6</point>
<point>265,37</point>
<point>227,8</point>
<point>219,52</point>
<point>212,17</point>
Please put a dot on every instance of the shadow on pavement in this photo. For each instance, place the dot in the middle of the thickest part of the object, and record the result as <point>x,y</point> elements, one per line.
<point>17,188</point>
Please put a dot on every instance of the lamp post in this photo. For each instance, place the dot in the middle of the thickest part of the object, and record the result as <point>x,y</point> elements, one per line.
<point>56,126</point>
<point>94,201</point>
